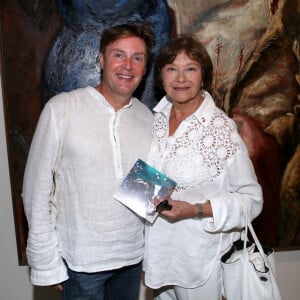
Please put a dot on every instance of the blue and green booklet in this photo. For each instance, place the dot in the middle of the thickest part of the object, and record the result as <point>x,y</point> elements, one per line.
<point>139,188</point>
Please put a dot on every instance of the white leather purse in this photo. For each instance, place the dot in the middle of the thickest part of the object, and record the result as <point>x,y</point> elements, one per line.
<point>248,269</point>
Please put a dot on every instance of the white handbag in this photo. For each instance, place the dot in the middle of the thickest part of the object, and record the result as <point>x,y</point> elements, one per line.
<point>248,269</point>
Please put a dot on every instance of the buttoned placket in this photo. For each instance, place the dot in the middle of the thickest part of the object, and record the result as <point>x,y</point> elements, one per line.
<point>115,121</point>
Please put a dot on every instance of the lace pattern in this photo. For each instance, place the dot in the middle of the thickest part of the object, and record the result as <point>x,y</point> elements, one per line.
<point>195,154</point>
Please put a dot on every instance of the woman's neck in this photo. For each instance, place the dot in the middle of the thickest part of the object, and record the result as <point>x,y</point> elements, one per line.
<point>181,111</point>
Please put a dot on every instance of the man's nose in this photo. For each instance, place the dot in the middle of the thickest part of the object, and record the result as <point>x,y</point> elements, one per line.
<point>128,63</point>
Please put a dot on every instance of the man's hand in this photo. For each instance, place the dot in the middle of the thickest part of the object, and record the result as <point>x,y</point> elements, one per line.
<point>58,287</point>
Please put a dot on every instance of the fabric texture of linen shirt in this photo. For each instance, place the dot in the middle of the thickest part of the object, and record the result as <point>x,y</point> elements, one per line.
<point>87,227</point>
<point>209,161</point>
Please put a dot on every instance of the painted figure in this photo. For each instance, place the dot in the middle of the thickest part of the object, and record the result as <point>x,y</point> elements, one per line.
<point>73,58</point>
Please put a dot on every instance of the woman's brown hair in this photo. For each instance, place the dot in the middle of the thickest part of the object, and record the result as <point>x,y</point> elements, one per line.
<point>193,49</point>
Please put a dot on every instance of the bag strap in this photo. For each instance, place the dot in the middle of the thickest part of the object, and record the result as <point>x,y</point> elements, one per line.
<point>245,252</point>
<point>249,226</point>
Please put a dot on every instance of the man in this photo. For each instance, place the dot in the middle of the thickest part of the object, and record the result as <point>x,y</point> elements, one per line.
<point>87,243</point>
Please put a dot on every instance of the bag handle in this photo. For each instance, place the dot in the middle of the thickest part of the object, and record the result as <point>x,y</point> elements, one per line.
<point>249,226</point>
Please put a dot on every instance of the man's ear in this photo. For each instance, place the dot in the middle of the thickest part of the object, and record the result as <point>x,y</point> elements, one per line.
<point>101,59</point>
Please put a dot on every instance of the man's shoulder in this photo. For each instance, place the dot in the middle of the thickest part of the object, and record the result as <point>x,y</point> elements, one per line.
<point>65,94</point>
<point>58,101</point>
<point>143,108</point>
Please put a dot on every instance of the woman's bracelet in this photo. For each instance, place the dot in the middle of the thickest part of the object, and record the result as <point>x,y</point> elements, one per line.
<point>200,210</point>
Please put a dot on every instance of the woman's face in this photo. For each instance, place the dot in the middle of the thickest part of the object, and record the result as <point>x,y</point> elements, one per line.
<point>182,79</point>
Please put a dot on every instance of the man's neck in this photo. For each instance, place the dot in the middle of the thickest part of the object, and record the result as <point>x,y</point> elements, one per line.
<point>115,100</point>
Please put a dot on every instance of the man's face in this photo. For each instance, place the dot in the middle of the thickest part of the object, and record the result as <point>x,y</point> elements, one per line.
<point>123,66</point>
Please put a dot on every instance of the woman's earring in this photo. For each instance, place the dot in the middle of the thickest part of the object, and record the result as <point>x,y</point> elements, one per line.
<point>202,90</point>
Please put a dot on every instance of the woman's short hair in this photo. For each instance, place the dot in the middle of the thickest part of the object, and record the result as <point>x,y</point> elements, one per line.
<point>194,49</point>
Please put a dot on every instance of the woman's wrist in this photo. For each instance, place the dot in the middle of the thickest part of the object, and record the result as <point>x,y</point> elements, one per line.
<point>200,210</point>
<point>203,209</point>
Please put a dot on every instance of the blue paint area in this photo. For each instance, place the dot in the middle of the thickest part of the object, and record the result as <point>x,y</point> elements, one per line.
<point>73,59</point>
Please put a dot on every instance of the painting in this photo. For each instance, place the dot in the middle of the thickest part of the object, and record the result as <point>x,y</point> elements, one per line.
<point>27,28</point>
<point>53,46</point>
<point>254,45</point>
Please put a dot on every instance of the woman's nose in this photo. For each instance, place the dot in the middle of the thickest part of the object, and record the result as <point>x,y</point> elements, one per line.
<point>180,76</point>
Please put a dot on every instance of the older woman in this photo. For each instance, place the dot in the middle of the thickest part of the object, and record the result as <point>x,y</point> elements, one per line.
<point>197,145</point>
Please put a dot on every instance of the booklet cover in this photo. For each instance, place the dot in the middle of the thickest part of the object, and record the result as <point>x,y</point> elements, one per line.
<point>139,188</point>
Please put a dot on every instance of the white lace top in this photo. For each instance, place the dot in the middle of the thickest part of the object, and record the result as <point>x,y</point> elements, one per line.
<point>208,160</point>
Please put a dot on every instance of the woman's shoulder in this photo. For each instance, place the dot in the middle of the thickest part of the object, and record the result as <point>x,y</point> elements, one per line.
<point>220,118</point>
<point>224,129</point>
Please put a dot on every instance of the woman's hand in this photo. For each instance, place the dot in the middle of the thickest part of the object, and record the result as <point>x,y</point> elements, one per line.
<point>180,210</point>
<point>184,210</point>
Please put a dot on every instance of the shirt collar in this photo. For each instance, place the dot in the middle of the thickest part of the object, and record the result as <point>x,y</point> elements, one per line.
<point>203,113</point>
<point>97,94</point>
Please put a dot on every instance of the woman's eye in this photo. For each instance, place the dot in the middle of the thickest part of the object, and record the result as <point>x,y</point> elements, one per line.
<point>171,69</point>
<point>191,69</point>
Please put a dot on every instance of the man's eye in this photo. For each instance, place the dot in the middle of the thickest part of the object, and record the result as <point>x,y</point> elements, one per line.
<point>139,58</point>
<point>117,55</point>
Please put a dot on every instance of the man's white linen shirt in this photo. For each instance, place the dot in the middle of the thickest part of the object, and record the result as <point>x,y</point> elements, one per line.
<point>92,231</point>
<point>209,161</point>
